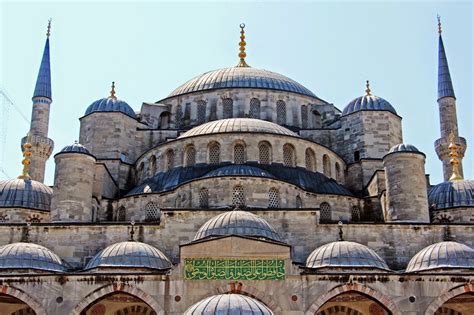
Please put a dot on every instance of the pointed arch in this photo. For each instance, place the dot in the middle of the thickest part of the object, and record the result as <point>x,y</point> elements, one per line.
<point>443,298</point>
<point>24,297</point>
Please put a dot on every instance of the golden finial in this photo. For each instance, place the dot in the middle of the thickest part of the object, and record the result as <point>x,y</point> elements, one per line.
<point>26,158</point>
<point>439,24</point>
<point>242,45</point>
<point>49,28</point>
<point>367,88</point>
<point>453,153</point>
<point>112,92</point>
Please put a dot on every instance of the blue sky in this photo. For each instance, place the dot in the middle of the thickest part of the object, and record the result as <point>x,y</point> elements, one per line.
<point>150,48</point>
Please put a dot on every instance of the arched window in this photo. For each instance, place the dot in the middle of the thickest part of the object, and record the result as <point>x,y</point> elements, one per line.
<point>310,160</point>
<point>281,112</point>
<point>165,120</point>
<point>254,108</point>
<point>140,171</point>
<point>169,160</point>
<point>179,116</point>
<point>228,107</point>
<point>152,165</point>
<point>201,112</point>
<point>325,212</point>
<point>304,116</point>
<point>338,172</point>
<point>239,154</point>
<point>356,156</point>
<point>317,122</point>
<point>152,212</point>
<point>177,201</point>
<point>204,198</point>
<point>326,165</point>
<point>214,153</point>
<point>238,196</point>
<point>289,155</point>
<point>121,214</point>
<point>190,156</point>
<point>264,153</point>
<point>355,213</point>
<point>299,202</point>
<point>273,198</point>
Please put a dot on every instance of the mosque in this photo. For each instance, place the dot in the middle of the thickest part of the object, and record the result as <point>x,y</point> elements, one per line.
<point>241,192</point>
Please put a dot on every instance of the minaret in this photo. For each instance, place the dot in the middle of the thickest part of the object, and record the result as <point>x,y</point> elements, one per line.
<point>447,114</point>
<point>41,145</point>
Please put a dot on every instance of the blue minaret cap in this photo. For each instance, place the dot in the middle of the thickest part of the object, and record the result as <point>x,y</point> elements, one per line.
<point>43,82</point>
<point>445,85</point>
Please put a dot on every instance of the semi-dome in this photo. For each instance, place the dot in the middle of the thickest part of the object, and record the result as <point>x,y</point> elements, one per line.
<point>239,170</point>
<point>368,102</point>
<point>238,125</point>
<point>130,254</point>
<point>25,193</point>
<point>237,222</point>
<point>345,254</point>
<point>229,304</point>
<point>75,148</point>
<point>442,255</point>
<point>241,77</point>
<point>452,194</point>
<point>403,147</point>
<point>29,256</point>
<point>110,104</point>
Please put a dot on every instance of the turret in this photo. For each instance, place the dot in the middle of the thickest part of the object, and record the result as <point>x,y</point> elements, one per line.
<point>73,185</point>
<point>407,195</point>
<point>447,113</point>
<point>42,146</point>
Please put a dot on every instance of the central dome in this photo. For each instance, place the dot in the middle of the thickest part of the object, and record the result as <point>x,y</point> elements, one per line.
<point>241,77</point>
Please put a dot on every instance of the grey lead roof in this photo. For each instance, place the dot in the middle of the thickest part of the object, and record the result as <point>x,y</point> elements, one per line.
<point>459,193</point>
<point>368,102</point>
<point>130,254</point>
<point>241,77</point>
<point>237,125</point>
<point>75,148</point>
<point>109,104</point>
<point>442,255</point>
<point>239,170</point>
<point>346,254</point>
<point>25,193</point>
<point>29,256</point>
<point>237,222</point>
<point>403,147</point>
<point>229,304</point>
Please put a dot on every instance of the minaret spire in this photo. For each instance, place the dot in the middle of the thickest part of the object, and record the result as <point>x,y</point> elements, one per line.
<point>43,81</point>
<point>445,85</point>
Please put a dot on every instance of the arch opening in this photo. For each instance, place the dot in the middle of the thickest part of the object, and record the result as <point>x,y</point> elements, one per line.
<point>118,303</point>
<point>354,303</point>
<point>458,305</point>
<point>14,306</point>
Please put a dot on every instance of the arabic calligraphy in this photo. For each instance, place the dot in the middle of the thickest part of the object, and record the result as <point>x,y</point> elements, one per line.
<point>234,269</point>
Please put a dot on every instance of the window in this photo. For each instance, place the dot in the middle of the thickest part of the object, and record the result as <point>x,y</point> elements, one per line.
<point>140,171</point>
<point>204,198</point>
<point>165,120</point>
<point>356,156</point>
<point>228,109</point>
<point>121,214</point>
<point>152,166</point>
<point>281,112</point>
<point>264,153</point>
<point>169,160</point>
<point>288,155</point>
<point>326,165</point>
<point>34,219</point>
<point>201,112</point>
<point>239,154</point>
<point>310,160</point>
<point>3,218</point>
<point>179,116</point>
<point>190,156</point>
<point>324,212</point>
<point>238,196</point>
<point>254,108</point>
<point>273,198</point>
<point>214,153</point>
<point>304,116</point>
<point>338,172</point>
<point>152,212</point>
<point>355,213</point>
<point>317,122</point>
<point>299,202</point>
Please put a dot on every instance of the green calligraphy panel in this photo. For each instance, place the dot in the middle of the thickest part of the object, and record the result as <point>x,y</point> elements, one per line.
<point>234,269</point>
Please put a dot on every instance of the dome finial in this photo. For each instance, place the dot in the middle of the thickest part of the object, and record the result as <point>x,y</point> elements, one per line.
<point>48,32</point>
<point>439,24</point>
<point>242,45</point>
<point>26,158</point>
<point>112,91</point>
<point>453,153</point>
<point>367,88</point>
<point>341,233</point>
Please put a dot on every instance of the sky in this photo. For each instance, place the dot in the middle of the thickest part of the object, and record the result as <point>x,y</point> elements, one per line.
<point>149,48</point>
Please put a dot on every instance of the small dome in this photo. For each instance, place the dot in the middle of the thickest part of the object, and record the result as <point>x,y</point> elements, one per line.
<point>368,102</point>
<point>110,105</point>
<point>237,222</point>
<point>448,254</point>
<point>229,304</point>
<point>29,256</point>
<point>239,170</point>
<point>25,193</point>
<point>130,254</point>
<point>237,125</point>
<point>344,254</point>
<point>75,148</point>
<point>241,77</point>
<point>459,193</point>
<point>403,147</point>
